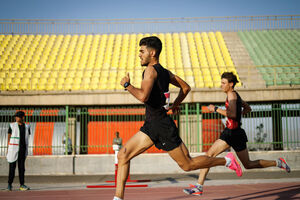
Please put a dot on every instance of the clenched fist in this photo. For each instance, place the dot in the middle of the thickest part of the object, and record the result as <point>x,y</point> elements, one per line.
<point>125,79</point>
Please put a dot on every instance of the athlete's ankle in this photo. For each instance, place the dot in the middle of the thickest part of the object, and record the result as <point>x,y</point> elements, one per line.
<point>228,162</point>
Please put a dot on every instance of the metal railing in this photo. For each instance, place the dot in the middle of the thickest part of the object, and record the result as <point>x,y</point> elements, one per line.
<point>270,126</point>
<point>155,25</point>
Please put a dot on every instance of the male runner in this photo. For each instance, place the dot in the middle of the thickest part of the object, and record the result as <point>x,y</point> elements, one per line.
<point>233,135</point>
<point>159,129</point>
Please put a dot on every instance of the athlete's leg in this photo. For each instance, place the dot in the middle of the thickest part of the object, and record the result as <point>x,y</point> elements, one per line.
<point>187,163</point>
<point>134,146</point>
<point>218,147</point>
<point>249,164</point>
<point>186,151</point>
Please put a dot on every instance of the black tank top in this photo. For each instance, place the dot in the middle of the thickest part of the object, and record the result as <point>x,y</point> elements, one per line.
<point>157,99</point>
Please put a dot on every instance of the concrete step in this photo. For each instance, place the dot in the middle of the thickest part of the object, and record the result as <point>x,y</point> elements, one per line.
<point>248,73</point>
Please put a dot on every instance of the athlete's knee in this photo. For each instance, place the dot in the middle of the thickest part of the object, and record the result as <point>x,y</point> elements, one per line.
<point>247,165</point>
<point>209,154</point>
<point>186,166</point>
<point>123,156</point>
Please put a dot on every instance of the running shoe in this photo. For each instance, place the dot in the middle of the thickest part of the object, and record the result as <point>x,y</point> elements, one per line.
<point>9,187</point>
<point>24,188</point>
<point>283,165</point>
<point>234,165</point>
<point>194,190</point>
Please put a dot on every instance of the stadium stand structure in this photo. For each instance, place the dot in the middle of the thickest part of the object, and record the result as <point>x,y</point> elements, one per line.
<point>275,48</point>
<point>97,62</point>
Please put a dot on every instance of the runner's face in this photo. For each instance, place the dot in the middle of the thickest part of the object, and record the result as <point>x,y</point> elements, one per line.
<point>144,55</point>
<point>225,85</point>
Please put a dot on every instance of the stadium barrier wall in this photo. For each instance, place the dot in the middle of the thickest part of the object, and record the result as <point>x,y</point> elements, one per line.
<point>270,126</point>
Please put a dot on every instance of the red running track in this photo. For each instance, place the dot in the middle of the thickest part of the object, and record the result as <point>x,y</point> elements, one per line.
<point>266,191</point>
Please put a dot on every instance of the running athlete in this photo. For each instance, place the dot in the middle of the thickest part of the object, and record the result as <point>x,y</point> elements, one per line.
<point>159,129</point>
<point>233,135</point>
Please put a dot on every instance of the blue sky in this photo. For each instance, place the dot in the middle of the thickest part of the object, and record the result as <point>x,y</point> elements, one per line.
<point>124,9</point>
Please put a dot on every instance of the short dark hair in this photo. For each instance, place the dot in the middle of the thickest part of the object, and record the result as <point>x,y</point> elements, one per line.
<point>19,114</point>
<point>152,42</point>
<point>231,77</point>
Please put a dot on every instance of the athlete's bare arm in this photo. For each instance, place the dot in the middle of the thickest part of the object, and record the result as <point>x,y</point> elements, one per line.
<point>143,93</point>
<point>246,108</point>
<point>184,90</point>
<point>231,111</point>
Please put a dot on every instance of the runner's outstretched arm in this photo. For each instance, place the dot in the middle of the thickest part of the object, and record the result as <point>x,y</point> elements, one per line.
<point>231,111</point>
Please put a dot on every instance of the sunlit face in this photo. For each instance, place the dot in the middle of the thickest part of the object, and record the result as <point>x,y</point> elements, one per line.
<point>144,55</point>
<point>225,85</point>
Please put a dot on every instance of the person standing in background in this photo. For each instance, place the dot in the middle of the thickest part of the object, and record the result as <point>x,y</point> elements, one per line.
<point>18,136</point>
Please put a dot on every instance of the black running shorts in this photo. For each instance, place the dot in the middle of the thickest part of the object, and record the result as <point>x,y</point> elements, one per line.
<point>163,132</point>
<point>236,138</point>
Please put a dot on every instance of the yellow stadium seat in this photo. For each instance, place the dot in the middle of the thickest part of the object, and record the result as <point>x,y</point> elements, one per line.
<point>62,74</point>
<point>52,81</point>
<point>59,87</point>
<point>41,86</point>
<point>60,81</point>
<point>50,87</point>
<point>54,74</point>
<point>214,71</point>
<point>16,81</point>
<point>94,86</point>
<point>25,80</point>
<point>76,86</point>
<point>2,74</point>
<point>77,80</point>
<point>222,70</point>
<point>12,74</point>
<point>37,74</point>
<point>71,74</point>
<point>20,74</point>
<point>103,86</point>
<point>207,79</point>
<point>200,84</point>
<point>205,71</point>
<point>23,86</point>
<point>216,78</point>
<point>13,86</point>
<point>217,83</point>
<point>209,84</point>
<point>67,87</point>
